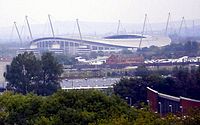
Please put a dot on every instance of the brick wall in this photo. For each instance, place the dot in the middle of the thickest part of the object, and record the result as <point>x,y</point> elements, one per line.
<point>152,97</point>
<point>187,104</point>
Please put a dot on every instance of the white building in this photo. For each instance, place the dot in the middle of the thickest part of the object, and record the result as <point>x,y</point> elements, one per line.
<point>108,44</point>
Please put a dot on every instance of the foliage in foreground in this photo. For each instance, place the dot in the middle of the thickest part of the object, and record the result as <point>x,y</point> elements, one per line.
<point>79,108</point>
<point>74,107</point>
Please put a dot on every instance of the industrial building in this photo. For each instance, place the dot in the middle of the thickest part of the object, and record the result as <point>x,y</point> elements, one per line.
<point>124,59</point>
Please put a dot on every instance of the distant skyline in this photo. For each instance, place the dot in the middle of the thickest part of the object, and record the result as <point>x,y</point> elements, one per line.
<point>128,11</point>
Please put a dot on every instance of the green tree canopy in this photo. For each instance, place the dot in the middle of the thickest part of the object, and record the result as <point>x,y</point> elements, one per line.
<point>142,71</point>
<point>174,50</point>
<point>73,108</point>
<point>23,73</point>
<point>66,60</point>
<point>183,82</point>
<point>82,107</point>
<point>29,74</point>
<point>50,77</point>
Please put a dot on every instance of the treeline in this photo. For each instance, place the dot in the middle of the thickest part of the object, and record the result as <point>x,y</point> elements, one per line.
<point>80,108</point>
<point>66,59</point>
<point>182,82</point>
<point>190,48</point>
<point>71,108</point>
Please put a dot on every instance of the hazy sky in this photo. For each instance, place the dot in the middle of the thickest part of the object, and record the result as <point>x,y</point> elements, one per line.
<point>97,10</point>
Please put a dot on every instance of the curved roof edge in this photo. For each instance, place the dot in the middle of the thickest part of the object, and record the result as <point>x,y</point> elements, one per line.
<point>132,36</point>
<point>78,40</point>
<point>174,98</point>
<point>152,90</point>
<point>189,99</point>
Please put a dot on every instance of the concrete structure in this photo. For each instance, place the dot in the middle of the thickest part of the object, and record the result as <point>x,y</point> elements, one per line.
<point>163,103</point>
<point>2,70</point>
<point>108,44</point>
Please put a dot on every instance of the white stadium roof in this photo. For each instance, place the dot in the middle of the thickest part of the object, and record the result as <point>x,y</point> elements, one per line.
<point>125,41</point>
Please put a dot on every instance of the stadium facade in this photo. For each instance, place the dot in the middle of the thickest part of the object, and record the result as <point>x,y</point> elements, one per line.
<point>78,46</point>
<point>109,44</point>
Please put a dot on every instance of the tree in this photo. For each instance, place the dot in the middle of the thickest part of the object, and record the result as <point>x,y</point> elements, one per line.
<point>72,107</point>
<point>29,74</point>
<point>126,51</point>
<point>183,82</point>
<point>88,107</point>
<point>23,73</point>
<point>142,71</point>
<point>134,88</point>
<point>50,75</point>
<point>191,48</point>
<point>66,60</point>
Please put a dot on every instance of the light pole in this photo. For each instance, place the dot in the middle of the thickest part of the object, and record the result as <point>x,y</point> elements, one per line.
<point>170,106</point>
<point>181,108</point>
<point>148,102</point>
<point>160,106</point>
<point>86,80</point>
<point>130,100</point>
<point>104,81</point>
<point>72,84</point>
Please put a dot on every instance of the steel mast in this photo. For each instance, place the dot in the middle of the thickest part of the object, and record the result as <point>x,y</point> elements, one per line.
<point>118,27</point>
<point>49,16</point>
<point>79,30</point>
<point>143,30</point>
<point>193,27</point>
<point>181,25</point>
<point>29,28</point>
<point>15,24</point>
<point>166,29</point>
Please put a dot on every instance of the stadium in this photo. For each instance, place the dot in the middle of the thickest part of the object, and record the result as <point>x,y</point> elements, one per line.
<point>85,45</point>
<point>109,44</point>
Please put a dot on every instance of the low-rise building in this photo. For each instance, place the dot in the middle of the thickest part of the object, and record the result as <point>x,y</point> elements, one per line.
<point>124,59</point>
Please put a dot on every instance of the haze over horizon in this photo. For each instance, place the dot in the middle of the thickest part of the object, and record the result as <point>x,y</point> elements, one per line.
<point>129,11</point>
<point>96,11</point>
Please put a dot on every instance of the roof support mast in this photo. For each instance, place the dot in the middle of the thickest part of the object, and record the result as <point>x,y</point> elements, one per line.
<point>29,28</point>
<point>79,30</point>
<point>49,16</point>
<point>143,30</point>
<point>18,33</point>
<point>167,23</point>
<point>193,27</point>
<point>118,27</point>
<point>181,25</point>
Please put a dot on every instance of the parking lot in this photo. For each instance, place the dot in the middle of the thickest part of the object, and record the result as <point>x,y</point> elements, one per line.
<point>92,82</point>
